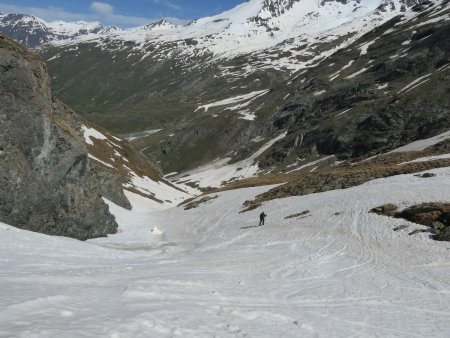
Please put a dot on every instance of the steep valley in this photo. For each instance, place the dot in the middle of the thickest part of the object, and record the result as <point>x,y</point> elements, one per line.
<point>210,103</point>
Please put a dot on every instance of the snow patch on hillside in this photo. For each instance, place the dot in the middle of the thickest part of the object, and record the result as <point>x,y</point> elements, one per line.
<point>141,134</point>
<point>351,76</point>
<point>428,158</point>
<point>90,133</point>
<point>168,195</point>
<point>414,84</point>
<point>365,47</point>
<point>100,161</point>
<point>244,101</point>
<point>423,144</point>
<point>220,171</point>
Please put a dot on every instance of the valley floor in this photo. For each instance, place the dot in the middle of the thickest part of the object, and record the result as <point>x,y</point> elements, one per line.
<point>211,272</point>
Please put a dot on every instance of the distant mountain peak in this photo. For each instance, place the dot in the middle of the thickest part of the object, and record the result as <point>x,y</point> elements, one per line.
<point>33,31</point>
<point>252,26</point>
<point>278,7</point>
<point>22,18</point>
<point>162,24</point>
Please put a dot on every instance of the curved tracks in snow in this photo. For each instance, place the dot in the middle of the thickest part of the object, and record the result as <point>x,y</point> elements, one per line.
<point>338,272</point>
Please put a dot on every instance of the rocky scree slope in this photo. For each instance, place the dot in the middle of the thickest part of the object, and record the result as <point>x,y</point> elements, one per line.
<point>46,181</point>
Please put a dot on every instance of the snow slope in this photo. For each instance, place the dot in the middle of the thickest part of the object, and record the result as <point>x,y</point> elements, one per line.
<point>210,272</point>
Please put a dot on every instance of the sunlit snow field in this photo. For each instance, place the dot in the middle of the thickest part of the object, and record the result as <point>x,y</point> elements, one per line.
<point>211,272</point>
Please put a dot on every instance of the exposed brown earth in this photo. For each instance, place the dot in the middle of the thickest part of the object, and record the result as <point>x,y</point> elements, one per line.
<point>435,215</point>
<point>342,176</point>
<point>196,202</point>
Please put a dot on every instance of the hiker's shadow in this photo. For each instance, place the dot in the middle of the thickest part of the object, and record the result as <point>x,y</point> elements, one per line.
<point>251,226</point>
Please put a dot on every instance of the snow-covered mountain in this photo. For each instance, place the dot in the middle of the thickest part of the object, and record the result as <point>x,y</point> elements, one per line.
<point>252,26</point>
<point>33,31</point>
<point>290,30</point>
<point>224,86</point>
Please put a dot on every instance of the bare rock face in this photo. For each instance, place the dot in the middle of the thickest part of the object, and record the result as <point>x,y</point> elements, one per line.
<point>46,183</point>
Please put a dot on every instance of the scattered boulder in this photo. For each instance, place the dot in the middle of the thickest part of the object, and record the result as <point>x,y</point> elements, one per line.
<point>441,231</point>
<point>417,231</point>
<point>385,210</point>
<point>425,175</point>
<point>195,204</point>
<point>303,213</point>
<point>250,206</point>
<point>400,227</point>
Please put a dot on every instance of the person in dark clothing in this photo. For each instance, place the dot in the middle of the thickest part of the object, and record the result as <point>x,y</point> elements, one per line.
<point>262,217</point>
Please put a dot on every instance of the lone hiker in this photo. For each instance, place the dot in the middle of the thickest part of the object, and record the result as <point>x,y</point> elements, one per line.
<point>262,216</point>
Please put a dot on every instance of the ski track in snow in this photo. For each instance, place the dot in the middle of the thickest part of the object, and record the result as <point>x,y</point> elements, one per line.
<point>211,272</point>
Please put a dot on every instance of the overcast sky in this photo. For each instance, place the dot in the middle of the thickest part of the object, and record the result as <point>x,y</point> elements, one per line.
<point>122,13</point>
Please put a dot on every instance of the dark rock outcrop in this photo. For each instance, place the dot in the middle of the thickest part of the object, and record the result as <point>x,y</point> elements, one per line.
<point>435,215</point>
<point>46,184</point>
<point>385,209</point>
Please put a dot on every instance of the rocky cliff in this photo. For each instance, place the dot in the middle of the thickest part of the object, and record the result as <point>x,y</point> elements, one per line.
<point>46,182</point>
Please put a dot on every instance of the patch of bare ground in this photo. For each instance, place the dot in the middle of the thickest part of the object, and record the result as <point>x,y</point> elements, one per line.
<point>435,215</point>
<point>343,176</point>
<point>385,210</point>
<point>196,202</point>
